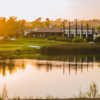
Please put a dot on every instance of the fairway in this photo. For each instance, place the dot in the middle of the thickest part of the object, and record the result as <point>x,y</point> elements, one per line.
<point>23,43</point>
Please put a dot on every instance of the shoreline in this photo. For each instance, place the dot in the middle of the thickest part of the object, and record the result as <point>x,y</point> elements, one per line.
<point>60,99</point>
<point>27,48</point>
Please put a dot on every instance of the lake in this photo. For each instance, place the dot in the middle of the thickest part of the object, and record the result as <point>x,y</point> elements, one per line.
<point>61,78</point>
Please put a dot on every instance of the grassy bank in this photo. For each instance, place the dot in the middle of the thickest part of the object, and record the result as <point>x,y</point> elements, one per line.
<point>72,48</point>
<point>20,48</point>
<point>60,99</point>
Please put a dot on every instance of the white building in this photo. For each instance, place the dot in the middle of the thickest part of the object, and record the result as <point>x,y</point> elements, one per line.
<point>81,31</point>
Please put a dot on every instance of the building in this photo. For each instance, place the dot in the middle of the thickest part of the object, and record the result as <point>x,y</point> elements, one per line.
<point>86,32</point>
<point>70,31</point>
<point>43,32</point>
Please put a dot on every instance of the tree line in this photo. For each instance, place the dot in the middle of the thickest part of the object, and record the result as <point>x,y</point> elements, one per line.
<point>12,27</point>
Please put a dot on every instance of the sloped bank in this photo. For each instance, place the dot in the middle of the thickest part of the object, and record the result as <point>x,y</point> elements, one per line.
<point>50,51</point>
<point>61,99</point>
<point>71,49</point>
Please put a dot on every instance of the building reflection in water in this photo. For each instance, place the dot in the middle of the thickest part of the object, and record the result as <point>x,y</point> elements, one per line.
<point>69,63</point>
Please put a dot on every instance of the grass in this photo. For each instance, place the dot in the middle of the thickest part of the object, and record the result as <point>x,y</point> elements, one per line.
<point>71,48</point>
<point>40,98</point>
<point>19,48</point>
<point>22,43</point>
<point>59,99</point>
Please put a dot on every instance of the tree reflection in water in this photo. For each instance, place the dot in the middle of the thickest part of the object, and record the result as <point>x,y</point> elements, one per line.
<point>10,66</point>
<point>68,63</point>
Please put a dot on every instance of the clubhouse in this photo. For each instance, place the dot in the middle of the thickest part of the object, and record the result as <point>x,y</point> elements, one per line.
<point>69,31</point>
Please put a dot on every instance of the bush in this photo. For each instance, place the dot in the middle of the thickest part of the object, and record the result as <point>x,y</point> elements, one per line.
<point>97,39</point>
<point>60,38</point>
<point>78,39</point>
<point>57,38</point>
<point>68,39</point>
<point>51,37</point>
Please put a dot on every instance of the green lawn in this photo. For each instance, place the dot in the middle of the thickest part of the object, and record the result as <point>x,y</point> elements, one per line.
<point>19,48</point>
<point>22,43</point>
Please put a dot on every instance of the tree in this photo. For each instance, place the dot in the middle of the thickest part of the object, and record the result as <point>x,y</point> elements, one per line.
<point>98,28</point>
<point>20,28</point>
<point>2,26</point>
<point>11,27</point>
<point>58,22</point>
<point>37,23</point>
<point>47,22</point>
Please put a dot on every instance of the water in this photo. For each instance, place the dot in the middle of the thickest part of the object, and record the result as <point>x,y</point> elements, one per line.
<point>42,78</point>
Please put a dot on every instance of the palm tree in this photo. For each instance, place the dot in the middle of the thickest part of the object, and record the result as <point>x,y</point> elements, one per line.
<point>69,27</point>
<point>64,26</point>
<point>81,29</point>
<point>87,26</point>
<point>76,26</point>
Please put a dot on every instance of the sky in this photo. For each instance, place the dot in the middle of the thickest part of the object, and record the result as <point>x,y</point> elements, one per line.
<point>67,9</point>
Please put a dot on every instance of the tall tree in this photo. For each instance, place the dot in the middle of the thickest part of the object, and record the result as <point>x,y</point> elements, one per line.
<point>11,26</point>
<point>47,22</point>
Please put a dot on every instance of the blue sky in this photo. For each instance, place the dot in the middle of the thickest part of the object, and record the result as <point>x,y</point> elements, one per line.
<point>32,9</point>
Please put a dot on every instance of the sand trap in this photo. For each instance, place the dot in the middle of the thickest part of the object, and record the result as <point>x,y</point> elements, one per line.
<point>12,39</point>
<point>33,46</point>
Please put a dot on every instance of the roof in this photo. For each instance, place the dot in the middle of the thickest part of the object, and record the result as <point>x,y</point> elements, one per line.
<point>78,27</point>
<point>48,29</point>
<point>45,29</point>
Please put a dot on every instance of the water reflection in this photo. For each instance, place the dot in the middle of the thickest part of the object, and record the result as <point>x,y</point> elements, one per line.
<point>11,66</point>
<point>30,77</point>
<point>69,64</point>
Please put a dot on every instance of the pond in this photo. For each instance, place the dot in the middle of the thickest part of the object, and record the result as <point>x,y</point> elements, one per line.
<point>42,78</point>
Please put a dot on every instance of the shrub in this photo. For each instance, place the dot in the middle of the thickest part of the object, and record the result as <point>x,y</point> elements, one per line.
<point>68,39</point>
<point>51,37</point>
<point>60,38</point>
<point>91,93</point>
<point>97,39</point>
<point>57,38</point>
<point>78,39</point>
